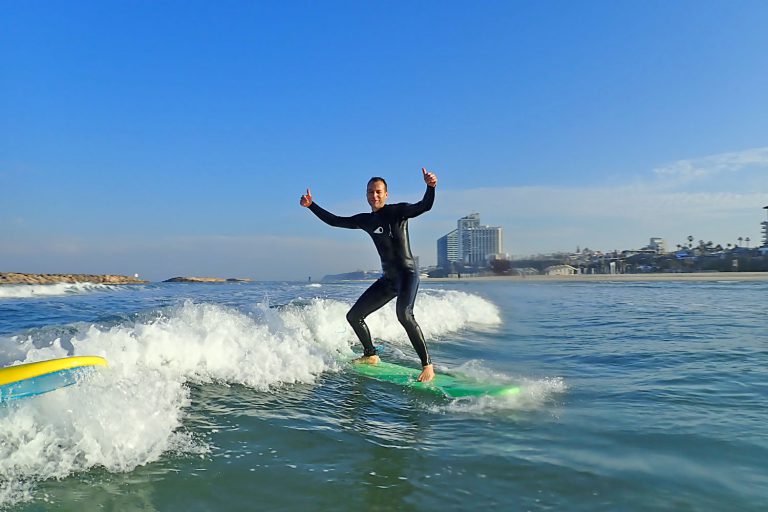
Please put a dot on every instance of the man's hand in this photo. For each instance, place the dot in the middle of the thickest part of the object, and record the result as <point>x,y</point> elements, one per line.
<point>429,177</point>
<point>306,199</point>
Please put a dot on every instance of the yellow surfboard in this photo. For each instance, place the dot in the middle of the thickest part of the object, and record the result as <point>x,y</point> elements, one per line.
<point>31,379</point>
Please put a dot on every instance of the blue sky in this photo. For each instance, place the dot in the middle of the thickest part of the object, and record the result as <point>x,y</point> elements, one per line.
<point>175,138</point>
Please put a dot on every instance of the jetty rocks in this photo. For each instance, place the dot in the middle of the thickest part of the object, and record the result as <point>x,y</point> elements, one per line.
<point>205,280</point>
<point>18,278</point>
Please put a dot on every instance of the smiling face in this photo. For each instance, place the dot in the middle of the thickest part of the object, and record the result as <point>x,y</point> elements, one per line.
<point>377,194</point>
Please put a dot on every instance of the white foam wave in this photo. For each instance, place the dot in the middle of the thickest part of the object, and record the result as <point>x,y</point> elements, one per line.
<point>534,393</point>
<point>130,413</point>
<point>25,291</point>
<point>438,312</point>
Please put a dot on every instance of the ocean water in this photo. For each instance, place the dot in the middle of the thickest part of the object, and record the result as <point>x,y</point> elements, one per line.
<point>230,397</point>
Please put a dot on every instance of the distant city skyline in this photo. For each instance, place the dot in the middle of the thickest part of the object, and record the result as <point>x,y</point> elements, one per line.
<point>166,139</point>
<point>454,248</point>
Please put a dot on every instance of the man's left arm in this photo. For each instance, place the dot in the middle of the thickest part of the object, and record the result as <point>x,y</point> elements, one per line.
<point>415,209</point>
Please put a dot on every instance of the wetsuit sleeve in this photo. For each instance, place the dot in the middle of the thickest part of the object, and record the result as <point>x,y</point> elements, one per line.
<point>412,210</point>
<point>333,220</point>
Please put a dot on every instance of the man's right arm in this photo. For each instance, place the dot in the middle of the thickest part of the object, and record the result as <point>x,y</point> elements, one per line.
<point>326,216</point>
<point>331,219</point>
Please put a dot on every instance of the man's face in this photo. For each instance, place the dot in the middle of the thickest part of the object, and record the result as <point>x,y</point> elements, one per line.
<point>377,195</point>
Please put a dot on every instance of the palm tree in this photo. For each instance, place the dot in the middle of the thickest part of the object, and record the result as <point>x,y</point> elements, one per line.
<point>740,239</point>
<point>747,240</point>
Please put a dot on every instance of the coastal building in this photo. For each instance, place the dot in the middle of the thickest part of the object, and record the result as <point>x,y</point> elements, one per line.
<point>560,270</point>
<point>464,226</point>
<point>470,243</point>
<point>765,228</point>
<point>448,249</point>
<point>658,245</point>
<point>484,242</point>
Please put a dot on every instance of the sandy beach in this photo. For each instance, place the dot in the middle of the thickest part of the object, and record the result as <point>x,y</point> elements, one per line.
<point>693,276</point>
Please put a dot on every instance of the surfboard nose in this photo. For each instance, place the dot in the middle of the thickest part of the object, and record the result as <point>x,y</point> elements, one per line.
<point>31,379</point>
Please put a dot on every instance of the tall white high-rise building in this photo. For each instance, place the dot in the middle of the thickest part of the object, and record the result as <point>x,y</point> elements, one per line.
<point>765,228</point>
<point>484,242</point>
<point>470,243</point>
<point>464,225</point>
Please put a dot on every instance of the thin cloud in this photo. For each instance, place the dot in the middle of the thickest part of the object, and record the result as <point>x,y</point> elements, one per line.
<point>683,171</point>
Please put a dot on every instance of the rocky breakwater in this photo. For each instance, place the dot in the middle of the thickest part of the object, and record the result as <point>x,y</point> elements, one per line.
<point>17,278</point>
<point>205,280</point>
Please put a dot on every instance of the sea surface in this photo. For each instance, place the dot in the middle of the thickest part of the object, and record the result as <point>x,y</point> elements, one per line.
<point>232,397</point>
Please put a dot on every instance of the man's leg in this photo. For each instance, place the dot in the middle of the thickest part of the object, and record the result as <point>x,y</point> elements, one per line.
<point>378,294</point>
<point>406,298</point>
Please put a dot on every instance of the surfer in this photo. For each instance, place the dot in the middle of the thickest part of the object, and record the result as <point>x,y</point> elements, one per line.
<point>388,227</point>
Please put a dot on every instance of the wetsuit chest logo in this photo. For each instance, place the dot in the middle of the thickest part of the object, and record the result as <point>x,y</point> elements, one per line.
<point>379,230</point>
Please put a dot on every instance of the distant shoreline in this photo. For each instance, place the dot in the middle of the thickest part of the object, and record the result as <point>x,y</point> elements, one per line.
<point>19,278</point>
<point>692,276</point>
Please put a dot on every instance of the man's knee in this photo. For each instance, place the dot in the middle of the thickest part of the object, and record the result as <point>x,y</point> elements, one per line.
<point>353,317</point>
<point>405,316</point>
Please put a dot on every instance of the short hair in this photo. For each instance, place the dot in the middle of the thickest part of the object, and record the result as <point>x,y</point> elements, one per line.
<point>378,178</point>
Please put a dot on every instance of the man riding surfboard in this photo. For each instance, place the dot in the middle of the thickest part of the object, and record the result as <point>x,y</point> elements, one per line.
<point>387,225</point>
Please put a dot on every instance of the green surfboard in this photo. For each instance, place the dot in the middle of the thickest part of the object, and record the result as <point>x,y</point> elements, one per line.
<point>442,384</point>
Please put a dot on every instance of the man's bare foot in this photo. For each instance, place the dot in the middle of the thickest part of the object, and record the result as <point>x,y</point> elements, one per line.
<point>374,359</point>
<point>427,374</point>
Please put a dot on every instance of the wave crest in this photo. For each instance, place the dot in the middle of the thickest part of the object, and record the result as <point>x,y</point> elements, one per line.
<point>132,412</point>
<point>26,291</point>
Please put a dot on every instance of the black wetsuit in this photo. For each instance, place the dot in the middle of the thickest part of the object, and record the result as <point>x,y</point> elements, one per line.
<point>388,227</point>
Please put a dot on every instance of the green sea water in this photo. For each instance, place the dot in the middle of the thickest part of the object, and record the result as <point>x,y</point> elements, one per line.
<point>634,396</point>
